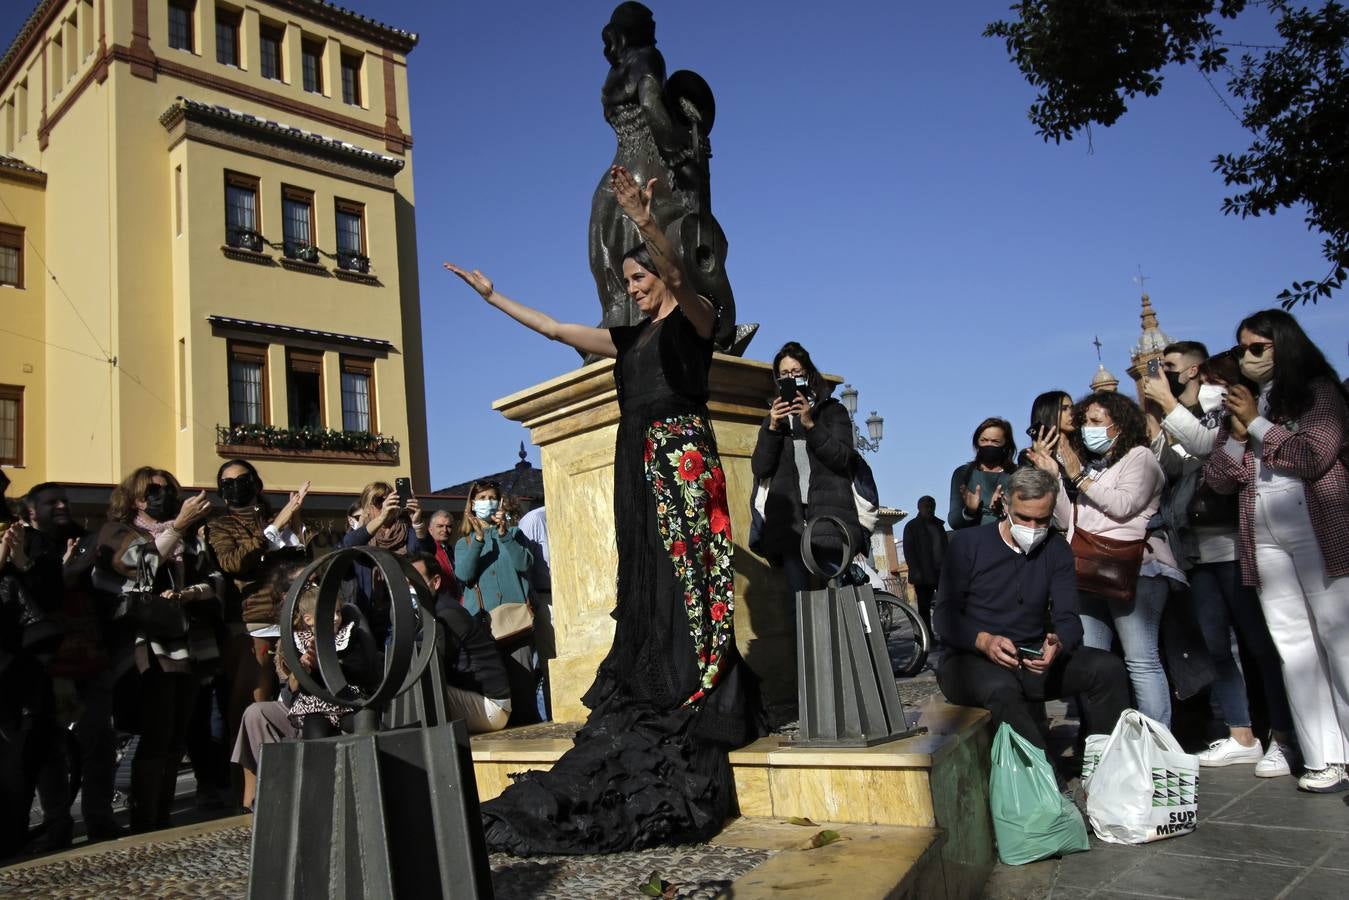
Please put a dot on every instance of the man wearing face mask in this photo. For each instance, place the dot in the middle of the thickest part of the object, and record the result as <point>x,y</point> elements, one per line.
<point>1007,611</point>
<point>1177,383</point>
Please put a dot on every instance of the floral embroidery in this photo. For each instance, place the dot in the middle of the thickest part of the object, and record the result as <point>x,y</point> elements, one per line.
<point>695,528</point>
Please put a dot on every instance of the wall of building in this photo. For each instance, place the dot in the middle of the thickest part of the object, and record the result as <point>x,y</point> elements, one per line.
<point>140,292</point>
<point>220,286</point>
<point>23,354</point>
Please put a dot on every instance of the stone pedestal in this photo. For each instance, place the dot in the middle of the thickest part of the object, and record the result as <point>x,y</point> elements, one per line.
<point>573,419</point>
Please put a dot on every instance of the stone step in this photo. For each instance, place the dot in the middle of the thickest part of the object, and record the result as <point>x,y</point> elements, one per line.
<point>870,862</point>
<point>935,780</point>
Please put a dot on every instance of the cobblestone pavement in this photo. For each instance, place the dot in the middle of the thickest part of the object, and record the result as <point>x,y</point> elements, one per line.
<point>700,871</point>
<point>215,866</point>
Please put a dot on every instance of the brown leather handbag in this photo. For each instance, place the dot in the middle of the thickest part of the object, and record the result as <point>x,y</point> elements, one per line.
<point>1106,566</point>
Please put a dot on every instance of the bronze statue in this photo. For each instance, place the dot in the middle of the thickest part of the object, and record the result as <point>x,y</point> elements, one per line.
<point>662,126</point>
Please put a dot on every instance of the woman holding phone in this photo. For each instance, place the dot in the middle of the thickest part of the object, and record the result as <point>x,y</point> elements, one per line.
<point>669,701</point>
<point>805,452</point>
<point>388,522</point>
<point>493,562</point>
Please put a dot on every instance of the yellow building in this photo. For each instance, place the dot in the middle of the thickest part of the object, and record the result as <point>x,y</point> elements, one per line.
<point>208,245</point>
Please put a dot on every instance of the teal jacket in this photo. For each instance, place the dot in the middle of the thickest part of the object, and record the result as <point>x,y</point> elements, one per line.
<point>498,566</point>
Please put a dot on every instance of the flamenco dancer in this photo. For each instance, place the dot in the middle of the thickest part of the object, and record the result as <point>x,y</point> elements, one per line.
<point>672,697</point>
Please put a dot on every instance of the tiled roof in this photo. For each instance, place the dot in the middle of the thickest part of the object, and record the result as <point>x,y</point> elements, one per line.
<point>21,171</point>
<point>403,40</point>
<point>10,162</point>
<point>296,331</point>
<point>340,16</point>
<point>521,481</point>
<point>195,109</point>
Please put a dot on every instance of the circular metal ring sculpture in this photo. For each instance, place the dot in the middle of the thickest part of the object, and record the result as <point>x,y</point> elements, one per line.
<point>808,554</point>
<point>409,650</point>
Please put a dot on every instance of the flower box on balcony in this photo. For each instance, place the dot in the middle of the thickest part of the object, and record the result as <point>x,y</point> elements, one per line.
<point>315,444</point>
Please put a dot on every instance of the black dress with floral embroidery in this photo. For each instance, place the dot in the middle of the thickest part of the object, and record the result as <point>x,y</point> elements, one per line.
<point>672,697</point>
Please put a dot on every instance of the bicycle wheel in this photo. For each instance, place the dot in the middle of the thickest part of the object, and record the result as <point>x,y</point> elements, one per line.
<point>906,636</point>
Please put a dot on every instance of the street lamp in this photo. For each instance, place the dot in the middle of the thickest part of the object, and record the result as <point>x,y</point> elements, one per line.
<point>849,397</point>
<point>875,424</point>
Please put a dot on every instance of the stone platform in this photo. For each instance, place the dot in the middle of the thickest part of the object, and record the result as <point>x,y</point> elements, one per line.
<point>937,782</point>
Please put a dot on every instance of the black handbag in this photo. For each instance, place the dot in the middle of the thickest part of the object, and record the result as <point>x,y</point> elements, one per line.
<point>1210,508</point>
<point>157,617</point>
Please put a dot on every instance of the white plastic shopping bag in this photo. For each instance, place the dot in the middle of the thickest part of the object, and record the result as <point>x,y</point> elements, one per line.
<point>1091,754</point>
<point>1144,786</point>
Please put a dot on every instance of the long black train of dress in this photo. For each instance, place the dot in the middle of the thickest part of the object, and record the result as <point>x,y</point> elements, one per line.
<point>672,696</point>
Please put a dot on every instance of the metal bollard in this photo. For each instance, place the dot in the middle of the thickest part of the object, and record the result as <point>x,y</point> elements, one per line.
<point>374,814</point>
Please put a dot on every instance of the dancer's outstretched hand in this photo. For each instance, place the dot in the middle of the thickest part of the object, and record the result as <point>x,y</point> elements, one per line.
<point>633,199</point>
<point>475,279</point>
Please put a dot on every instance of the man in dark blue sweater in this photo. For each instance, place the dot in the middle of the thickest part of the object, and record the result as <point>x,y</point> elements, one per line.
<point>1007,611</point>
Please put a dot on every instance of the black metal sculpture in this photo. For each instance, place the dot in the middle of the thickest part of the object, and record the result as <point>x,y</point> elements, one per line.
<point>846,688</point>
<point>662,126</point>
<point>373,814</point>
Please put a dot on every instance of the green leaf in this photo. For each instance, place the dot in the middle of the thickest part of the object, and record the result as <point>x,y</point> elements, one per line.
<point>654,887</point>
<point>824,838</point>
<point>799,820</point>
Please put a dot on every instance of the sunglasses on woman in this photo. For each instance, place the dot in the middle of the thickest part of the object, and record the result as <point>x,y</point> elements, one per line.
<point>1256,349</point>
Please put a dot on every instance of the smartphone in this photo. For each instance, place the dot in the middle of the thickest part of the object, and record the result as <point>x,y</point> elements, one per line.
<point>1030,653</point>
<point>787,390</point>
<point>403,488</point>
<point>1154,366</point>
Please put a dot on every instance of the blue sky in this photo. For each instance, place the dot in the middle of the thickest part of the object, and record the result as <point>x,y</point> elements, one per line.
<point>887,203</point>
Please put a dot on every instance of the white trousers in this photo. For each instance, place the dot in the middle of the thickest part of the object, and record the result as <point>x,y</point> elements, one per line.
<point>480,714</point>
<point>1308,617</point>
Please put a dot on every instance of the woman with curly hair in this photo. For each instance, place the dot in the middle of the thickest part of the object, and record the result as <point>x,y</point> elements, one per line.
<point>1122,568</point>
<point>650,765</point>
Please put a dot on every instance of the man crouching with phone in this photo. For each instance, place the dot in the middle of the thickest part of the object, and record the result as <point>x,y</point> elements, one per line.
<point>1002,585</point>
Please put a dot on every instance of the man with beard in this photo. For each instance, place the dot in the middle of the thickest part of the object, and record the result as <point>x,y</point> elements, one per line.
<point>83,757</point>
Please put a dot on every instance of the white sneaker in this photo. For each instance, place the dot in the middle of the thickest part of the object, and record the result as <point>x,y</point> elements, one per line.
<point>1324,781</point>
<point>1274,763</point>
<point>1228,752</point>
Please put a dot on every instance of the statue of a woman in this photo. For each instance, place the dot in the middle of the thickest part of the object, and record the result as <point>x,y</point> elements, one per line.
<point>662,134</point>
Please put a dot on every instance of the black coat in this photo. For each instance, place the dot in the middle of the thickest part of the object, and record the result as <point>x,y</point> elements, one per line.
<point>829,446</point>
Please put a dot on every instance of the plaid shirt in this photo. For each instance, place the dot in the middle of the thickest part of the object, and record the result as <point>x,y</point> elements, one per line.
<point>1313,449</point>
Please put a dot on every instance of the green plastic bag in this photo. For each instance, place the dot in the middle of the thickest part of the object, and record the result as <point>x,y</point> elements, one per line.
<point>1031,819</point>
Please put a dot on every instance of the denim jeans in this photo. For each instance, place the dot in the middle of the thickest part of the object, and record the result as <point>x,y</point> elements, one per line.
<point>1223,603</point>
<point>1136,624</point>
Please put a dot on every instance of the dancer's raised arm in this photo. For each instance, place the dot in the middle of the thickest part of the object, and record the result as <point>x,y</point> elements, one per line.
<point>635,201</point>
<point>581,337</point>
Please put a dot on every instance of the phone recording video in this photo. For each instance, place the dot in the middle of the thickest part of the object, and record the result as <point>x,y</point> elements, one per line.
<point>403,488</point>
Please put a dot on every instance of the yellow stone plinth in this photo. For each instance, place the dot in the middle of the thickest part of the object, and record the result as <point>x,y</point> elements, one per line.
<point>573,419</point>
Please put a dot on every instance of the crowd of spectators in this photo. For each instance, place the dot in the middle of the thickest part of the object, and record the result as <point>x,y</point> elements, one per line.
<point>157,630</point>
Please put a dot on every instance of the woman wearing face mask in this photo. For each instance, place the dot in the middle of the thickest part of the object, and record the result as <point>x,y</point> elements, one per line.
<point>1203,526</point>
<point>150,542</point>
<point>1119,484</point>
<point>387,525</point>
<point>492,560</point>
<point>247,541</point>
<point>1284,452</point>
<point>805,449</point>
<point>977,487</point>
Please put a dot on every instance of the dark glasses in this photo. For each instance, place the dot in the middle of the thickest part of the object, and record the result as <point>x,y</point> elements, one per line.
<point>1256,349</point>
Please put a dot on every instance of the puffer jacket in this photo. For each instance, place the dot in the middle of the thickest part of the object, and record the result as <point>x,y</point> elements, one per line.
<point>829,448</point>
